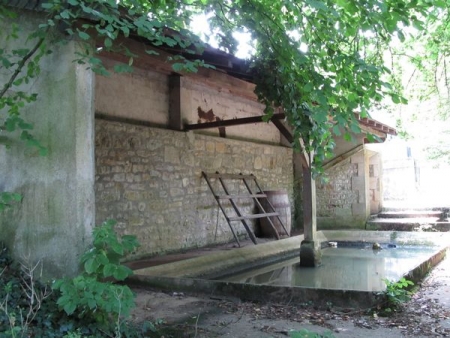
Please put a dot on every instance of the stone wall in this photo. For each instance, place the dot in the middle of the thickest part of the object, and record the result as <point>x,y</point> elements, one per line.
<point>335,197</point>
<point>150,180</point>
<point>342,200</point>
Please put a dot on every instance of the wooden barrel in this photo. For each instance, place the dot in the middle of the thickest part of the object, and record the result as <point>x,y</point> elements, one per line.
<point>280,202</point>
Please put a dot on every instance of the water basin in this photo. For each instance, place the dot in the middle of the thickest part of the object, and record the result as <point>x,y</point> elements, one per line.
<point>354,267</point>
<point>227,273</point>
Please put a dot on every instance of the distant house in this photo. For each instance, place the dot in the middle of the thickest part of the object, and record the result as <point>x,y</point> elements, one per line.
<point>132,147</point>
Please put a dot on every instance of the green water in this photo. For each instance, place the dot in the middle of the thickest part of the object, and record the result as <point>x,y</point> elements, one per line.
<point>342,269</point>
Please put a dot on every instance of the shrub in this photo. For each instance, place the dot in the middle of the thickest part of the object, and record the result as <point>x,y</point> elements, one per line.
<point>93,305</point>
<point>90,294</point>
<point>396,294</point>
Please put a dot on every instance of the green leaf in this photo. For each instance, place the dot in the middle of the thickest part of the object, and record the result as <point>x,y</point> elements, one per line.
<point>92,304</point>
<point>69,308</point>
<point>122,68</point>
<point>47,5</point>
<point>108,43</point>
<point>109,270</point>
<point>18,82</point>
<point>25,126</point>
<point>355,128</point>
<point>91,265</point>
<point>178,67</point>
<point>317,4</point>
<point>336,130</point>
<point>125,30</point>
<point>395,98</point>
<point>122,272</point>
<point>65,14</point>
<point>43,151</point>
<point>16,197</point>
<point>118,248</point>
<point>83,35</point>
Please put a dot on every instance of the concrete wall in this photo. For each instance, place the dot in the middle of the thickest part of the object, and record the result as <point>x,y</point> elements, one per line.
<point>54,221</point>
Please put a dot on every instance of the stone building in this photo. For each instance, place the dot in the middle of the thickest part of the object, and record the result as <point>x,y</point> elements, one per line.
<point>354,188</point>
<point>120,148</point>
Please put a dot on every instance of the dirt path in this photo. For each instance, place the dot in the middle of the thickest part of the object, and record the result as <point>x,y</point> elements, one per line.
<point>426,315</point>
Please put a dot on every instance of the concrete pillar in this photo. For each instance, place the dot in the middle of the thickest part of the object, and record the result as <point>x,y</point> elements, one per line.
<point>360,184</point>
<point>375,188</point>
<point>54,221</point>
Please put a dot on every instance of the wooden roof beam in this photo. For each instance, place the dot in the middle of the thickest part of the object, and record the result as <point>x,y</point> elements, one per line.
<point>229,123</point>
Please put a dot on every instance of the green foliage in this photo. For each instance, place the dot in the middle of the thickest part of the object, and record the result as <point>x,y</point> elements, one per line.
<point>22,66</point>
<point>7,199</point>
<point>320,60</point>
<point>305,333</point>
<point>103,260</point>
<point>89,295</point>
<point>111,20</point>
<point>396,294</point>
<point>28,308</point>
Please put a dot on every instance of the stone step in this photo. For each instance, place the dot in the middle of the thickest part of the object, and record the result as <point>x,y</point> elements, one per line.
<point>408,224</point>
<point>411,214</point>
<point>416,208</point>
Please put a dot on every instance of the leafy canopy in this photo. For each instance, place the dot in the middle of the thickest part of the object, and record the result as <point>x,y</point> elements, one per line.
<point>320,60</point>
<point>422,64</point>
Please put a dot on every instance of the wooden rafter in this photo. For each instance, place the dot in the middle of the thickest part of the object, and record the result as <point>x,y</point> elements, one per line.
<point>229,123</point>
<point>342,157</point>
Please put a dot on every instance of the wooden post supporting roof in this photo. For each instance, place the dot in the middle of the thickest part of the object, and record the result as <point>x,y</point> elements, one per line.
<point>175,118</point>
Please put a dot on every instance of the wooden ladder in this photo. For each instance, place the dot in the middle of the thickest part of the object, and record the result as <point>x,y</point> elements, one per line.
<point>250,195</point>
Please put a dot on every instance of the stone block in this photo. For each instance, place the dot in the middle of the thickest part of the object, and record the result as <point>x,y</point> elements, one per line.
<point>171,155</point>
<point>188,159</point>
<point>210,147</point>
<point>258,163</point>
<point>359,210</point>
<point>199,144</point>
<point>358,183</point>
<point>119,177</point>
<point>343,212</point>
<point>221,148</point>
<point>176,192</point>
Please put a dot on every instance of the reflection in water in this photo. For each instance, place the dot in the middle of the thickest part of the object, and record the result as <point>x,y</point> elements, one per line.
<point>342,268</point>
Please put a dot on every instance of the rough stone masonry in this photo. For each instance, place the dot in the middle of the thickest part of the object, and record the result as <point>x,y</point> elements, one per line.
<point>149,180</point>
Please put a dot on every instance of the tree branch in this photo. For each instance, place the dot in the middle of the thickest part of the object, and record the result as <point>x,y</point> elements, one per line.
<point>20,66</point>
